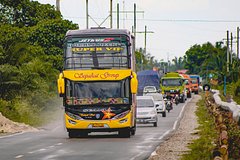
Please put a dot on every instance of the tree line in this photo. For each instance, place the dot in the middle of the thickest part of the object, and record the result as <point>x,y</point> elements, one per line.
<point>31,49</point>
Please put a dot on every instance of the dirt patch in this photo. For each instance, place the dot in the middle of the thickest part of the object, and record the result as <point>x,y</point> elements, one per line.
<point>9,127</point>
<point>175,146</point>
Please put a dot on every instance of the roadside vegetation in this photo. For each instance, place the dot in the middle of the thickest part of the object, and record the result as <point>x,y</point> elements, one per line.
<point>202,147</point>
<point>232,92</point>
<point>31,39</point>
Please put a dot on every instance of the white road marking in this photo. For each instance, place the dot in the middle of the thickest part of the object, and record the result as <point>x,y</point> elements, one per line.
<point>166,133</point>
<point>19,156</point>
<point>179,117</point>
<point>15,134</point>
<point>58,144</point>
<point>138,155</point>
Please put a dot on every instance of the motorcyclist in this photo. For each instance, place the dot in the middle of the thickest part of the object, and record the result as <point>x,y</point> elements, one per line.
<point>168,96</point>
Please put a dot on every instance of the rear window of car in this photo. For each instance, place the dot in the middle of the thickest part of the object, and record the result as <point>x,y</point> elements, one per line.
<point>156,97</point>
<point>145,103</point>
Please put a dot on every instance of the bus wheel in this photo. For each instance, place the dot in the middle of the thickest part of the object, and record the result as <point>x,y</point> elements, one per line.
<point>126,133</point>
<point>133,130</point>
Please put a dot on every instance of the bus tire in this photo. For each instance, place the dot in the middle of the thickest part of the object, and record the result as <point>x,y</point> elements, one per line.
<point>155,124</point>
<point>133,131</point>
<point>164,114</point>
<point>126,133</point>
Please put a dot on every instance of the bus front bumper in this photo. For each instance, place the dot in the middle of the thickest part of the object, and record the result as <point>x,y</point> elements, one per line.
<point>98,125</point>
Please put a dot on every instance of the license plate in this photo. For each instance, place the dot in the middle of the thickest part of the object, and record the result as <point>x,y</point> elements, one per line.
<point>98,125</point>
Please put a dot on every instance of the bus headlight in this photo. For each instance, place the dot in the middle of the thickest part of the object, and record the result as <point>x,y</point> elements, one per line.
<point>123,120</point>
<point>71,121</point>
<point>121,115</point>
<point>74,116</point>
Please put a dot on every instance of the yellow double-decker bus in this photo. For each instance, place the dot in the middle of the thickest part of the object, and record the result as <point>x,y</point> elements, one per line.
<point>98,83</point>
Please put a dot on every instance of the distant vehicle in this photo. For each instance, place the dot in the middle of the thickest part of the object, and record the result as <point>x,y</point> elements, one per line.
<point>173,83</point>
<point>149,89</point>
<point>146,110</point>
<point>159,103</point>
<point>147,78</point>
<point>188,84</point>
<point>195,83</point>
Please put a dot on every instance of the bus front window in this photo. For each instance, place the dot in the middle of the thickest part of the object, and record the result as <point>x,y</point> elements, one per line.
<point>96,53</point>
<point>84,93</point>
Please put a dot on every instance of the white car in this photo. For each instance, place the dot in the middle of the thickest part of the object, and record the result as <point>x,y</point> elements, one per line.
<point>146,110</point>
<point>149,89</point>
<point>159,103</point>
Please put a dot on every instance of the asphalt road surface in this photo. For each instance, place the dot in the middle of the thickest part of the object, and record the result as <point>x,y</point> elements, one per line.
<point>52,143</point>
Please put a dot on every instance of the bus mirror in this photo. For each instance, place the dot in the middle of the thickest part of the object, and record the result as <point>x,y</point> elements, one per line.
<point>134,83</point>
<point>61,85</point>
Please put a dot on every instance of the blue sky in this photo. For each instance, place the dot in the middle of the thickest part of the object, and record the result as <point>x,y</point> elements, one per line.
<point>177,24</point>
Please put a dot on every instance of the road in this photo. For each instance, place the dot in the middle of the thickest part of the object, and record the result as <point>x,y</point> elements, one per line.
<point>52,143</point>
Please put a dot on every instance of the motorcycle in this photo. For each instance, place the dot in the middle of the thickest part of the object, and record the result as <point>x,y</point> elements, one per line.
<point>176,99</point>
<point>168,104</point>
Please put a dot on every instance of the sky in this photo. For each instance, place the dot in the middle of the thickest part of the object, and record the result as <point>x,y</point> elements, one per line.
<point>176,24</point>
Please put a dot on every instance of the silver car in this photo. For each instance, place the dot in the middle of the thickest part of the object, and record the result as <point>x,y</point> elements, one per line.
<point>159,103</point>
<point>146,110</point>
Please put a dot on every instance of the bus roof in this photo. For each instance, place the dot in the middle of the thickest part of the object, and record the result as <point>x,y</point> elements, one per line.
<point>98,31</point>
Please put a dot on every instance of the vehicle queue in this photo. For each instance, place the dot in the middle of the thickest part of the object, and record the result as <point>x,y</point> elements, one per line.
<point>152,101</point>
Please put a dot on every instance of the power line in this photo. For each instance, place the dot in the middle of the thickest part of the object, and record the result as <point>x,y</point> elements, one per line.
<point>177,20</point>
<point>192,20</point>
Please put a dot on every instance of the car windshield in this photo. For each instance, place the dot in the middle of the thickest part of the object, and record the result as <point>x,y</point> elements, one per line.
<point>194,81</point>
<point>145,103</point>
<point>150,89</point>
<point>96,53</point>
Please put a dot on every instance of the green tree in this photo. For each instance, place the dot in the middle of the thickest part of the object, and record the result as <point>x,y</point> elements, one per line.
<point>196,56</point>
<point>25,12</point>
<point>31,47</point>
<point>178,63</point>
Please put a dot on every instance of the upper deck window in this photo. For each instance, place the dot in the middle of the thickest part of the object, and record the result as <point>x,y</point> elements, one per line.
<point>96,53</point>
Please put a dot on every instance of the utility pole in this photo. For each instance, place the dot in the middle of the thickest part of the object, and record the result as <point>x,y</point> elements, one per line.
<point>237,43</point>
<point>58,5</point>
<point>231,50</point>
<point>145,38</point>
<point>111,13</point>
<point>99,25</point>
<point>227,51</point>
<point>145,43</point>
<point>118,16</point>
<point>87,14</point>
<point>135,20</point>
<point>135,12</point>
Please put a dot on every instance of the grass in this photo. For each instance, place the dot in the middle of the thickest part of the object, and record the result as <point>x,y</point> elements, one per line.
<point>201,148</point>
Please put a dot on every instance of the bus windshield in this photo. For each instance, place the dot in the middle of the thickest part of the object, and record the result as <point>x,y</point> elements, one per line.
<point>171,82</point>
<point>96,53</point>
<point>100,92</point>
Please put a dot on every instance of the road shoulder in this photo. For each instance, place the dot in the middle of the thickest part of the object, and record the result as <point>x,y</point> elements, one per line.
<point>177,144</point>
